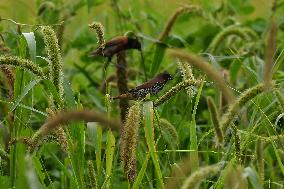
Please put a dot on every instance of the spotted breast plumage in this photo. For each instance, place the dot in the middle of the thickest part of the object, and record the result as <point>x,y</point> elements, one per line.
<point>153,87</point>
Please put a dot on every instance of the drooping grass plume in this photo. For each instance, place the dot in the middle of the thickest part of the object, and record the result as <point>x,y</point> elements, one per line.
<point>58,132</point>
<point>173,18</point>
<point>237,144</point>
<point>91,175</point>
<point>174,90</point>
<point>222,100</point>
<point>234,177</point>
<point>187,74</point>
<point>215,120</point>
<point>23,64</point>
<point>196,177</point>
<point>269,54</point>
<point>54,55</point>
<point>280,99</point>
<point>3,154</point>
<point>129,138</point>
<point>63,118</point>
<point>210,71</point>
<point>99,29</point>
<point>186,70</point>
<point>243,33</point>
<point>9,74</point>
<point>246,96</point>
<point>260,159</point>
<point>122,80</point>
<point>170,128</point>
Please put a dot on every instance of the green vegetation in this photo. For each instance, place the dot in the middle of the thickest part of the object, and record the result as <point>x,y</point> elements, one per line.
<point>217,124</point>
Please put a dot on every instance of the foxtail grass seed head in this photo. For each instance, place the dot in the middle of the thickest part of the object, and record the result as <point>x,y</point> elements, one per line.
<point>63,118</point>
<point>246,96</point>
<point>177,13</point>
<point>234,177</point>
<point>99,29</point>
<point>260,159</point>
<point>10,76</point>
<point>215,120</point>
<point>58,132</point>
<point>174,90</point>
<point>196,177</point>
<point>237,144</point>
<point>91,175</point>
<point>23,64</point>
<point>54,55</point>
<point>269,54</point>
<point>187,75</point>
<point>210,71</point>
<point>243,33</point>
<point>129,140</point>
<point>171,129</point>
<point>280,99</point>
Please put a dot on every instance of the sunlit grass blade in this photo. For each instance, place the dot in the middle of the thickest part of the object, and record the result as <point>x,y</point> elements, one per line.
<point>109,156</point>
<point>193,136</point>
<point>98,149</point>
<point>148,115</point>
<point>30,38</point>
<point>141,173</point>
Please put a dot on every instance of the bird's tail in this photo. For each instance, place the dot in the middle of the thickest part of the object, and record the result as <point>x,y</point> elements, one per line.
<point>95,53</point>
<point>123,96</point>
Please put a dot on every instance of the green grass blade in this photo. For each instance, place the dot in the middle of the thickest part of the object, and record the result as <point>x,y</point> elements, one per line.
<point>24,93</point>
<point>193,136</point>
<point>158,58</point>
<point>65,170</point>
<point>253,178</point>
<point>39,170</point>
<point>109,155</point>
<point>278,157</point>
<point>30,38</point>
<point>148,115</point>
<point>98,149</point>
<point>141,173</point>
<point>52,89</point>
<point>32,178</point>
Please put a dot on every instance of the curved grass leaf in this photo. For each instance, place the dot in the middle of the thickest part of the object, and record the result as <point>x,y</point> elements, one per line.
<point>25,91</point>
<point>158,57</point>
<point>148,115</point>
<point>30,38</point>
<point>109,155</point>
<point>193,136</point>
<point>253,178</point>
<point>141,173</point>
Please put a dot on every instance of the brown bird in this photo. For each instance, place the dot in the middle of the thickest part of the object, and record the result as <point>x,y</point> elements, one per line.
<point>116,45</point>
<point>153,87</point>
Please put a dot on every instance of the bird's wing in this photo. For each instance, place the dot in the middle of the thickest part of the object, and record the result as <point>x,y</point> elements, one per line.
<point>115,45</point>
<point>148,84</point>
<point>117,41</point>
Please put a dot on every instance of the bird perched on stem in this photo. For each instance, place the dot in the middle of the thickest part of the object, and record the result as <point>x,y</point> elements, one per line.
<point>152,86</point>
<point>116,45</point>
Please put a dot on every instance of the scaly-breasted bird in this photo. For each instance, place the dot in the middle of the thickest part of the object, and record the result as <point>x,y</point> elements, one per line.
<point>116,45</point>
<point>152,86</point>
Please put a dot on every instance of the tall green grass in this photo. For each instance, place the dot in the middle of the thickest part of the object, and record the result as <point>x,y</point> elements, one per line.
<point>60,130</point>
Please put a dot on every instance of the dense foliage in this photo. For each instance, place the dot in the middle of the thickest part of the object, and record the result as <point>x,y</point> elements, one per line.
<point>215,122</point>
